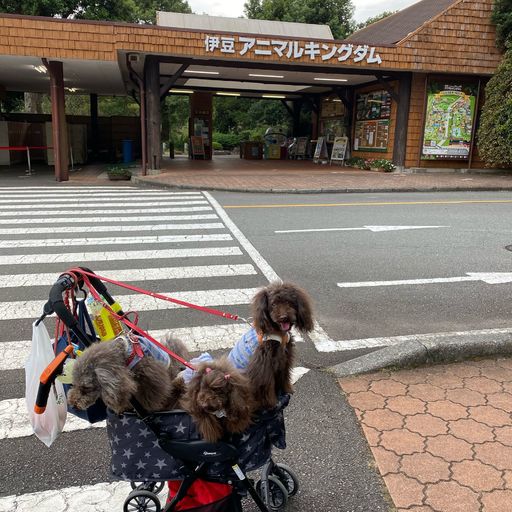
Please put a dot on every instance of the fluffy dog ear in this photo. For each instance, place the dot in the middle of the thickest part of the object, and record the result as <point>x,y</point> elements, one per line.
<point>240,407</point>
<point>117,387</point>
<point>305,322</point>
<point>260,311</point>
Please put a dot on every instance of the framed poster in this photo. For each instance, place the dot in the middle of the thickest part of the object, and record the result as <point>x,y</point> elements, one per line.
<point>449,116</point>
<point>196,143</point>
<point>339,149</point>
<point>320,150</point>
<point>371,131</point>
<point>302,144</point>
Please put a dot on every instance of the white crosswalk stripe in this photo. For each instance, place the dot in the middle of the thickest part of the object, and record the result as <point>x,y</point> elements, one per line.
<point>225,277</point>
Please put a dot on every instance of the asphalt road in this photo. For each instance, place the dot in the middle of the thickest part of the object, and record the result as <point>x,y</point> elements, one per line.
<point>476,231</point>
<point>325,444</point>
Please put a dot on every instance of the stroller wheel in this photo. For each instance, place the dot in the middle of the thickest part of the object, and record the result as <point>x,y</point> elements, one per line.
<point>155,487</point>
<point>287,477</point>
<point>277,492</point>
<point>142,501</point>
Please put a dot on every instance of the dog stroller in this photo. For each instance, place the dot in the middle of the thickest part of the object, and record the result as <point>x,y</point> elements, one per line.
<point>151,449</point>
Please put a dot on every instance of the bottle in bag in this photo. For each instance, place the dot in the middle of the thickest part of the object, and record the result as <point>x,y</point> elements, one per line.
<point>106,326</point>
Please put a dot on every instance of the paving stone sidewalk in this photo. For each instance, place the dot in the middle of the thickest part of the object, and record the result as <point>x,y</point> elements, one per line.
<point>441,435</point>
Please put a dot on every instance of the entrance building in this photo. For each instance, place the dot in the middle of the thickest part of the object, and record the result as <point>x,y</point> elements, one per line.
<point>408,88</point>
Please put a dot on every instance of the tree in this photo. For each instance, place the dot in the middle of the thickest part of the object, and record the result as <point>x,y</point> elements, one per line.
<point>335,13</point>
<point>502,17</point>
<point>495,131</point>
<point>374,19</point>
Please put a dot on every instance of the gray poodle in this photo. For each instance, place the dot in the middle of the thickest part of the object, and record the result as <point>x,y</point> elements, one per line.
<point>102,372</point>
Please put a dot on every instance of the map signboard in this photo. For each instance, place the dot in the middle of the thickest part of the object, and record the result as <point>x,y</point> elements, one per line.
<point>449,121</point>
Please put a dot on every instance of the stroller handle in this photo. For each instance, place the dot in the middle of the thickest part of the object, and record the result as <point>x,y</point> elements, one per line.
<point>56,305</point>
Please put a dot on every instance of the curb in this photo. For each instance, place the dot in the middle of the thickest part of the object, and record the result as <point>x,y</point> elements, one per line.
<point>166,185</point>
<point>414,353</point>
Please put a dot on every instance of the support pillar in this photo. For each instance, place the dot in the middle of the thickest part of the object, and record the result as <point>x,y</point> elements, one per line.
<point>153,116</point>
<point>59,125</point>
<point>95,129</point>
<point>402,120</point>
<point>297,107</point>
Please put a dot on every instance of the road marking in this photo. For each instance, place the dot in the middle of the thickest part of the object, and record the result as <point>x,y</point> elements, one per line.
<point>369,203</point>
<point>105,211</point>
<point>375,229</point>
<point>121,240</point>
<point>337,346</point>
<point>86,198</point>
<point>486,277</point>
<point>100,497</point>
<point>103,204</point>
<point>82,257</point>
<point>261,263</point>
<point>103,193</point>
<point>108,229</point>
<point>87,220</point>
<point>224,297</point>
<point>134,275</point>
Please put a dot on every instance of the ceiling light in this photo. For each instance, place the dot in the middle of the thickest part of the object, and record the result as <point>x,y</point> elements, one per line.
<point>71,89</point>
<point>337,101</point>
<point>40,69</point>
<point>273,96</point>
<point>181,91</point>
<point>202,72</point>
<point>266,76</point>
<point>228,94</point>
<point>331,79</point>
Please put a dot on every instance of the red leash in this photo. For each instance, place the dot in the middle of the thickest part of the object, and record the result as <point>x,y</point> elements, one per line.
<point>211,311</point>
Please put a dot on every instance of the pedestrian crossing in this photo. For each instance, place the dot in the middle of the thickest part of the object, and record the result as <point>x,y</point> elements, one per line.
<point>180,244</point>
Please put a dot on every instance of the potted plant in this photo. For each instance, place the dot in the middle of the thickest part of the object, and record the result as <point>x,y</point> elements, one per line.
<point>119,172</point>
<point>383,165</point>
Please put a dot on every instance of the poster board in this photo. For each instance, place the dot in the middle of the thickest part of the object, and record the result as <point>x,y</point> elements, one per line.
<point>320,150</point>
<point>196,143</point>
<point>302,144</point>
<point>371,131</point>
<point>449,116</point>
<point>273,151</point>
<point>339,149</point>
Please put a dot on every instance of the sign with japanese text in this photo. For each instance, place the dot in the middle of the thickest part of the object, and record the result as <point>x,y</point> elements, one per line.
<point>291,50</point>
<point>373,111</point>
<point>449,120</point>
<point>339,149</point>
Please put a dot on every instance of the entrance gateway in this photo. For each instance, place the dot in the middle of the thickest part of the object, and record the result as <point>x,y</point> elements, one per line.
<point>407,88</point>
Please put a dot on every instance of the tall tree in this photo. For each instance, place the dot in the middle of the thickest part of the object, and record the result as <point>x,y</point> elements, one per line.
<point>374,19</point>
<point>335,13</point>
<point>502,17</point>
<point>495,131</point>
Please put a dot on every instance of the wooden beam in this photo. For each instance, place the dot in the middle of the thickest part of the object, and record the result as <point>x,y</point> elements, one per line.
<point>288,108</point>
<point>164,89</point>
<point>385,82</point>
<point>152,87</point>
<point>402,120</point>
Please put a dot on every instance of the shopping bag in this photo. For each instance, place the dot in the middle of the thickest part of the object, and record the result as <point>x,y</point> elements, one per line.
<point>97,411</point>
<point>48,425</point>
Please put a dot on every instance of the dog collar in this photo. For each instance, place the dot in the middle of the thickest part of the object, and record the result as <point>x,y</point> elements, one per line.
<point>281,338</point>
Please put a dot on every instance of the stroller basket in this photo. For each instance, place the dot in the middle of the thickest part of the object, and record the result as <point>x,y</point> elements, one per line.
<point>138,453</point>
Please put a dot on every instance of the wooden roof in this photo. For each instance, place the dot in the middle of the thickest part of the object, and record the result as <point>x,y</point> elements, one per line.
<point>396,27</point>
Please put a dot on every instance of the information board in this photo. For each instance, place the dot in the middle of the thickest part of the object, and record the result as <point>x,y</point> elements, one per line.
<point>302,144</point>
<point>320,150</point>
<point>371,131</point>
<point>196,143</point>
<point>449,116</point>
<point>339,149</point>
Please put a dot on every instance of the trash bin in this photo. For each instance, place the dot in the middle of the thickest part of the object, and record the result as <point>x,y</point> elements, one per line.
<point>127,151</point>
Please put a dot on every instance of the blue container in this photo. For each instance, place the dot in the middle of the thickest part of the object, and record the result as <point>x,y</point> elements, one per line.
<point>127,151</point>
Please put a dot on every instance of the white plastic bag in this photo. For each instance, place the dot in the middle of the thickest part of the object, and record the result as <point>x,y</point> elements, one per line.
<point>49,425</point>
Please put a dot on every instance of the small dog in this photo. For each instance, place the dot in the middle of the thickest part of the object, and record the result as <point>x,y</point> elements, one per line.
<point>276,309</point>
<point>105,370</point>
<point>219,399</point>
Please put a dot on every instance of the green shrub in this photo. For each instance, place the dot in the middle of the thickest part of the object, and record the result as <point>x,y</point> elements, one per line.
<point>227,140</point>
<point>216,145</point>
<point>495,132</point>
<point>383,164</point>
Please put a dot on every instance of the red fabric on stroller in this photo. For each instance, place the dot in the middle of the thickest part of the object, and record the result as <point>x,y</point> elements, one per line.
<point>200,494</point>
